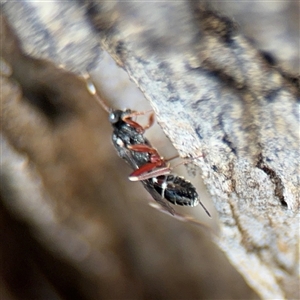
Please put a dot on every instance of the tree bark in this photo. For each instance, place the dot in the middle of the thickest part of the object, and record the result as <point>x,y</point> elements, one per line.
<point>226,105</point>
<point>221,102</point>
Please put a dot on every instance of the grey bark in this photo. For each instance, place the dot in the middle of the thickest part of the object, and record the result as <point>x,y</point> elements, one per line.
<point>223,103</point>
<point>71,222</point>
<point>218,98</point>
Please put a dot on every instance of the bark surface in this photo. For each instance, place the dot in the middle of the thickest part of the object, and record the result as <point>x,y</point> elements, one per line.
<point>220,101</point>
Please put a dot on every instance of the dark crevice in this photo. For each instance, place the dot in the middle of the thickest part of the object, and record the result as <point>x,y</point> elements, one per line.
<point>226,141</point>
<point>47,101</point>
<point>174,99</point>
<point>215,168</point>
<point>120,48</point>
<point>269,57</point>
<point>198,132</point>
<point>272,94</point>
<point>214,23</point>
<point>279,187</point>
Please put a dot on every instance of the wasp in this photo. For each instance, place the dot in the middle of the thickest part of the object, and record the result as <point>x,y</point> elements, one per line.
<point>152,170</point>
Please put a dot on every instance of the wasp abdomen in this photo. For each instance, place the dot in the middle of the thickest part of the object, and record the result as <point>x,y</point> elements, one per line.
<point>176,190</point>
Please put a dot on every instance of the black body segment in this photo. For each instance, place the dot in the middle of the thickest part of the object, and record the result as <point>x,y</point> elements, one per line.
<point>176,190</point>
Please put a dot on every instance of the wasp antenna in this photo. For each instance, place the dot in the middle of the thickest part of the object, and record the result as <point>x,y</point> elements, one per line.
<point>101,102</point>
<point>93,91</point>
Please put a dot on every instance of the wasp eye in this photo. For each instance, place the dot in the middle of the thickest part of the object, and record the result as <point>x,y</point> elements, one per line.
<point>113,118</point>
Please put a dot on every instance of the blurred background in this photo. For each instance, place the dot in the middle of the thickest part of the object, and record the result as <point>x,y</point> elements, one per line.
<point>72,225</point>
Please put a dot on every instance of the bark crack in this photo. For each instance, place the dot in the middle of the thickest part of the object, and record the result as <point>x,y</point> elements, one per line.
<point>275,179</point>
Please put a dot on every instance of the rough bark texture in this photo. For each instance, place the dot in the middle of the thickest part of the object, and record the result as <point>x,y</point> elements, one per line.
<point>218,99</point>
<point>217,96</point>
